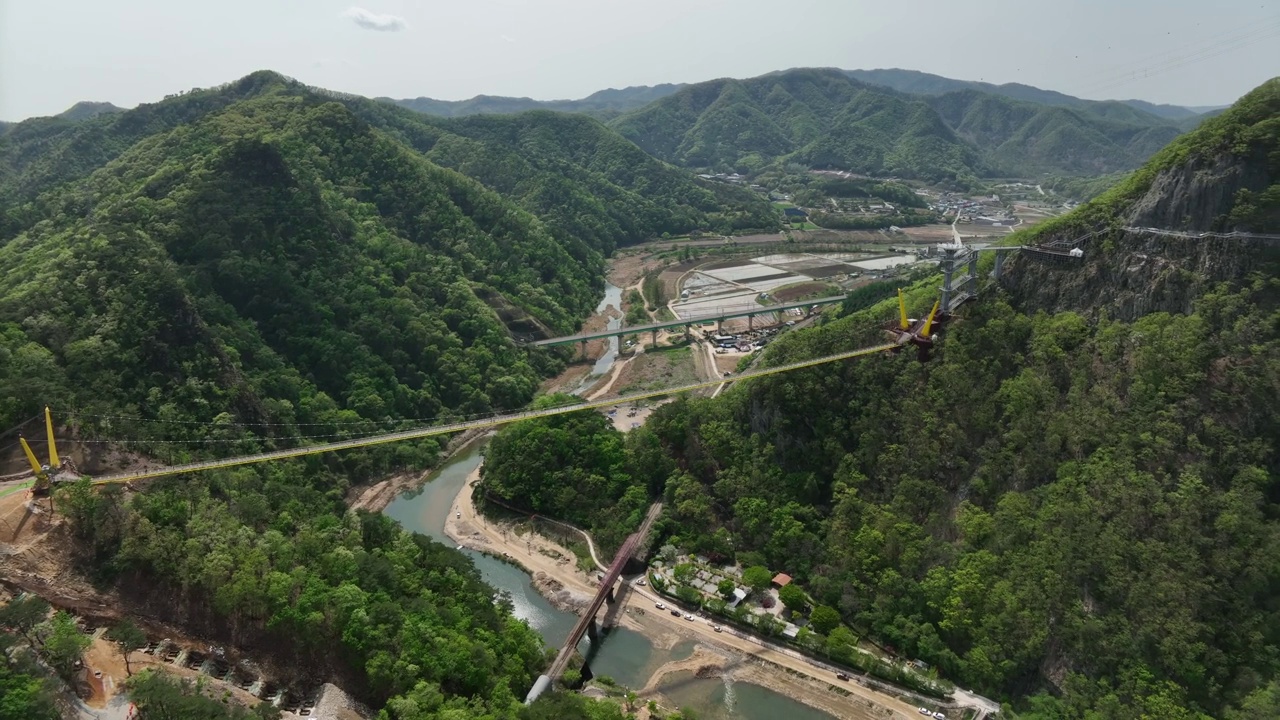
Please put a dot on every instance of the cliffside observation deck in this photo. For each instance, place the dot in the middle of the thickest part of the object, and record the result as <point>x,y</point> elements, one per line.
<point>686,322</point>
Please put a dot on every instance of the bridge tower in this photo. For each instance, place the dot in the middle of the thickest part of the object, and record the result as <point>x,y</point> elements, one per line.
<point>957,289</point>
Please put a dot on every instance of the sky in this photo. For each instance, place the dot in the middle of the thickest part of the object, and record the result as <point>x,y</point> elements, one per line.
<point>54,53</point>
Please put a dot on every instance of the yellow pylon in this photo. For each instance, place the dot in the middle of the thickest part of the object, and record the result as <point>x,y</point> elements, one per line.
<point>53,447</point>
<point>928,323</point>
<point>31,457</point>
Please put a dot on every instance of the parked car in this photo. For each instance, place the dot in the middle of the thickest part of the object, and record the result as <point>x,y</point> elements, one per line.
<point>660,606</point>
<point>841,676</point>
<point>716,628</point>
<point>688,617</point>
<point>641,583</point>
<point>925,711</point>
<point>675,613</point>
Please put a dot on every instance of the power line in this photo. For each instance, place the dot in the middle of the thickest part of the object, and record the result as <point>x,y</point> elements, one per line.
<point>1221,44</point>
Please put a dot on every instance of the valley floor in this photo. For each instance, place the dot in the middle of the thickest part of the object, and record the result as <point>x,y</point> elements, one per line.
<point>556,575</point>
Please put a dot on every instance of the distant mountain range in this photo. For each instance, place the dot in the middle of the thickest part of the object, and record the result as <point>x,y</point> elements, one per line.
<point>873,121</point>
<point>825,118</point>
<point>882,121</point>
<point>601,104</point>
<point>922,83</point>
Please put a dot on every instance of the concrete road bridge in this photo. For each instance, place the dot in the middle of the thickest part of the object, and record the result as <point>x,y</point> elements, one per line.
<point>717,318</point>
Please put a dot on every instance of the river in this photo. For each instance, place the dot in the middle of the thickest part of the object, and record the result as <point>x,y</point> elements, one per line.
<point>612,296</point>
<point>625,655</point>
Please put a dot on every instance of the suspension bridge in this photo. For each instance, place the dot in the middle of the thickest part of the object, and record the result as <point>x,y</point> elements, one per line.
<point>439,429</point>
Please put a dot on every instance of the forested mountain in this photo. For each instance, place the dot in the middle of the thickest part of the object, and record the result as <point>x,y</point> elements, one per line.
<point>86,109</point>
<point>600,104</point>
<point>914,81</point>
<point>261,265</point>
<point>1024,138</point>
<point>1074,506</point>
<point>824,119</point>
<point>592,187</point>
<point>584,180</point>
<point>313,251</point>
<point>819,118</point>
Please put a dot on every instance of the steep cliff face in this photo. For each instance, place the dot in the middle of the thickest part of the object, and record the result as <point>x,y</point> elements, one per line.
<point>1131,274</point>
<point>1200,194</point>
<point>1222,178</point>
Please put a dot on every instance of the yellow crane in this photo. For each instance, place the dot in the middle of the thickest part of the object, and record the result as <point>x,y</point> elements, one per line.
<point>44,473</point>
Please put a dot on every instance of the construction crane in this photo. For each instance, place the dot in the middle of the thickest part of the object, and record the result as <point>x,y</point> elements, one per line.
<point>44,473</point>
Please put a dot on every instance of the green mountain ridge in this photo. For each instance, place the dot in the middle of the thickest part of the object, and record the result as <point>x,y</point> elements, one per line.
<point>1027,138</point>
<point>814,117</point>
<point>261,265</point>
<point>914,81</point>
<point>1073,507</point>
<point>824,119</point>
<point>601,104</point>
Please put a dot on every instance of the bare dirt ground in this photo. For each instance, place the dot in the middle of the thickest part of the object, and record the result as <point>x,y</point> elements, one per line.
<point>654,370</point>
<point>795,292</point>
<point>628,268</point>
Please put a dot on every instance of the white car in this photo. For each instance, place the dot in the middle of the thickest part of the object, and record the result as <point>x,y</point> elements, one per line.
<point>660,606</point>
<point>688,617</point>
<point>925,711</point>
<point>716,628</point>
<point>640,582</point>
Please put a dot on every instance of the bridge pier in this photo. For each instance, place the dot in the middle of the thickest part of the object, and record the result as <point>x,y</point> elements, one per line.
<point>583,346</point>
<point>999,265</point>
<point>609,597</point>
<point>593,632</point>
<point>720,326</point>
<point>654,334</point>
<point>948,269</point>
<point>750,318</point>
<point>619,343</point>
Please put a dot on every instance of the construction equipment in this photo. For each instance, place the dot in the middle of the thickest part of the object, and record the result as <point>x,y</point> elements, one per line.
<point>44,473</point>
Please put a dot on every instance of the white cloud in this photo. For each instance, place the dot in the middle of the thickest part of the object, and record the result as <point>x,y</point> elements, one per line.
<point>374,21</point>
<point>505,38</point>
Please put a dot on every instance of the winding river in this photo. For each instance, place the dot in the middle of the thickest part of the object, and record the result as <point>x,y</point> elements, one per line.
<point>626,656</point>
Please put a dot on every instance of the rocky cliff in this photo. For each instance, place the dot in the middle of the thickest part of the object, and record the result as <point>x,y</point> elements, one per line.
<point>1222,178</point>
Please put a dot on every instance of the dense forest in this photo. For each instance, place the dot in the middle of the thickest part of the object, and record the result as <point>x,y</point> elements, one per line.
<point>827,119</point>
<point>818,118</point>
<point>261,265</point>
<point>1074,513</point>
<point>277,257</point>
<point>1026,139</point>
<point>922,83</point>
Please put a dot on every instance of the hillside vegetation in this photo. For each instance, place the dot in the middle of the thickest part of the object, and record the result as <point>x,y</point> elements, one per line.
<point>1079,515</point>
<point>922,83</point>
<point>828,119</point>
<point>818,118</point>
<point>601,104</point>
<point>262,265</point>
<point>1023,138</point>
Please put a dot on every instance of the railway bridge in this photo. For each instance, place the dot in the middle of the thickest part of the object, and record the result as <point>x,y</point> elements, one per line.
<point>586,624</point>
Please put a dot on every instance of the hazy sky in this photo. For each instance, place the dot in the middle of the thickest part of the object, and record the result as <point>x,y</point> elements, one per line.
<point>56,52</point>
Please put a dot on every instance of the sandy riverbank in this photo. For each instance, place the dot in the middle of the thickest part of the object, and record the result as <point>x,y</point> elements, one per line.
<point>559,579</point>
